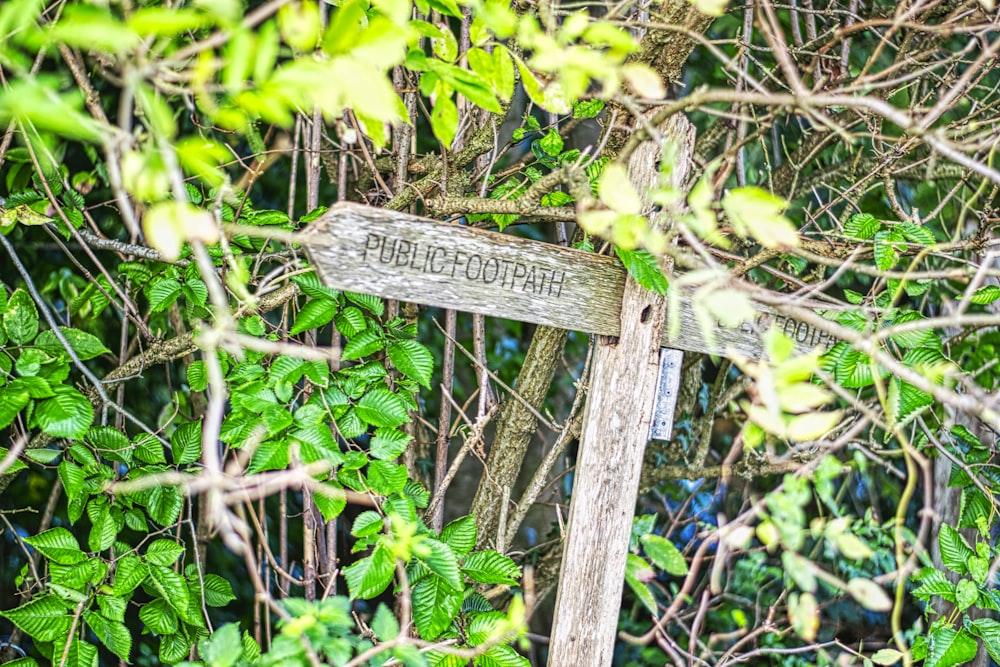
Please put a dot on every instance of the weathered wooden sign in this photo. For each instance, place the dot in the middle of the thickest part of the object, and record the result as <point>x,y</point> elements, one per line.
<point>631,399</point>
<point>400,256</point>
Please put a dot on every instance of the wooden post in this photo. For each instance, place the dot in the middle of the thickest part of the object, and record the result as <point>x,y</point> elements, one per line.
<point>615,432</point>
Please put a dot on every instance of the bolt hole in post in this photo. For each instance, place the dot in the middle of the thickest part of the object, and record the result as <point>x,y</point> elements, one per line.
<point>644,316</point>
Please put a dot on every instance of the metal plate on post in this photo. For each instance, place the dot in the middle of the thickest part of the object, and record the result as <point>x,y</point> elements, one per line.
<point>667,388</point>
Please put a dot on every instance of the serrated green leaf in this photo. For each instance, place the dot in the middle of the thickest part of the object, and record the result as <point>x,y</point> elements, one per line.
<point>984,296</point>
<point>315,314</point>
<point>381,407</point>
<point>551,143</point>
<point>163,552</point>
<point>364,344</point>
<point>645,269</point>
<point>58,545</point>
<point>185,443</point>
<point>20,320</point>
<point>490,567</point>
<point>218,592</point>
<point>369,302</point>
<point>351,321</point>
<point>104,529</point>
<point>460,535</point>
<point>113,634</point>
<point>174,648</point>
<point>588,108</point>
<point>164,504</point>
<point>130,571</point>
<point>862,226</point>
<point>384,624</point>
<point>435,605</point>
<point>110,443</point>
<point>386,478</point>
<point>388,443</point>
<point>916,233</point>
<point>171,587</point>
<point>163,294</point>
<point>68,414</point>
<point>197,377</point>
<point>664,554</point>
<point>988,629</point>
<point>502,656</point>
<point>955,551</point>
<point>949,647</point>
<point>73,478</point>
<point>439,559</point>
<point>45,619</point>
<point>12,401</point>
<point>412,360</point>
<point>158,617</point>
<point>368,577</point>
<point>85,345</point>
<point>758,213</point>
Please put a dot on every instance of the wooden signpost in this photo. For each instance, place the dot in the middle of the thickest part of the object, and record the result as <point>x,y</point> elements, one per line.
<point>400,256</point>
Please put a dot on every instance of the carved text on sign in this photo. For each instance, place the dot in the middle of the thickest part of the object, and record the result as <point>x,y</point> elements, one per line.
<point>456,263</point>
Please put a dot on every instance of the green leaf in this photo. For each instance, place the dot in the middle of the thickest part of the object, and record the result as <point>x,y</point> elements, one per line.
<point>984,296</point>
<point>45,619</point>
<point>85,345</point>
<point>351,321</point>
<point>110,443</point>
<point>556,198</point>
<point>966,594</point>
<point>185,442</point>
<point>224,648</point>
<point>164,504</point>
<point>949,647</point>
<point>171,587</point>
<point>158,617</point>
<point>460,535</point>
<point>988,630</point>
<point>915,233</point>
<point>869,594</point>
<point>862,226</point>
<point>588,108</point>
<point>68,414</point>
<point>130,571</point>
<point>664,554</point>
<point>12,401</point>
<point>20,320</point>
<point>368,577</point>
<point>412,360</point>
<point>617,192</point>
<point>386,478</point>
<point>381,407</point>
<point>197,377</point>
<point>756,212</point>
<point>435,605</point>
<point>955,551</point>
<point>384,624</point>
<point>80,654</point>
<point>439,559</point>
<point>148,449</point>
<point>490,567</point>
<point>365,343</point>
<point>644,269</point>
<point>315,314</point>
<point>175,648</point>
<point>388,443</point>
<point>112,634</point>
<point>551,143</point>
<point>218,592</point>
<point>369,302</point>
<point>164,552</point>
<point>58,545</point>
<point>502,656</point>
<point>104,529</point>
<point>163,294</point>
<point>886,250</point>
<point>444,119</point>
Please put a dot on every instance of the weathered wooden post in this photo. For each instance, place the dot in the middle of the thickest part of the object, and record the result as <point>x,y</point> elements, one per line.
<point>399,256</point>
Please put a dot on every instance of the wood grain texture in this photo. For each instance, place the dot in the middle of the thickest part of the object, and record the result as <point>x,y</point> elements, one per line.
<point>400,256</point>
<point>615,431</point>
